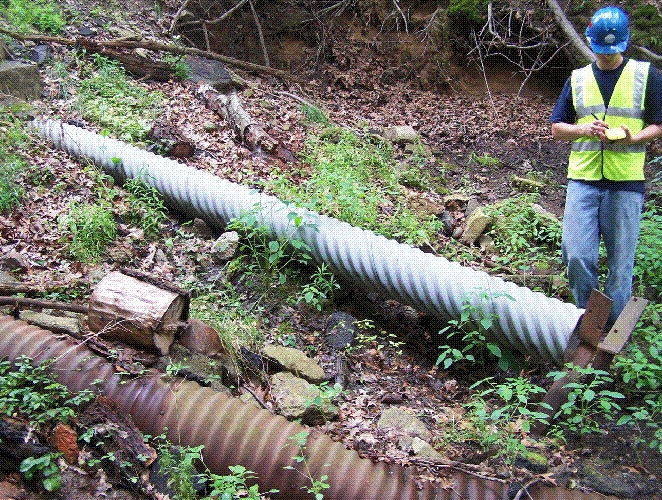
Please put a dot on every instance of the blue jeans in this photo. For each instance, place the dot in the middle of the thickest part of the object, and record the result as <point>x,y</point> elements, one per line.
<point>591,212</point>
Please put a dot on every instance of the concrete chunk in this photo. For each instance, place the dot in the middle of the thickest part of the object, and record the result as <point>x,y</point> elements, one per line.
<point>20,79</point>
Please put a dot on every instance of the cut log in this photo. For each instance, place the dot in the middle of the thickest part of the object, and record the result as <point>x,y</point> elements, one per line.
<point>229,108</point>
<point>171,140</point>
<point>132,311</point>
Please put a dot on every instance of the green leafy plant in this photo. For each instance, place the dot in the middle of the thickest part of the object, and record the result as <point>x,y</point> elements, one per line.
<point>474,324</point>
<point>501,412</point>
<point>181,464</point>
<point>648,261</point>
<point>354,179</point>
<point>648,416</point>
<point>588,402</point>
<point>123,108</point>
<point>181,69</point>
<point>314,114</point>
<point>323,395</point>
<point>86,230</point>
<point>33,392</point>
<point>44,468</point>
<point>146,208</point>
<point>12,161</point>
<point>231,486</point>
<point>45,16</point>
<point>319,292</point>
<point>486,159</point>
<point>316,486</point>
<point>271,257</point>
<point>519,229</point>
<point>640,365</point>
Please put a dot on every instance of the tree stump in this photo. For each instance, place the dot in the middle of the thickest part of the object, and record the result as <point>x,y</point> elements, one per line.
<point>129,310</point>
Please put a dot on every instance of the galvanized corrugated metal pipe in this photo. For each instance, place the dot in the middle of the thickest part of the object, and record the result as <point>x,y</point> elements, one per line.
<point>527,321</point>
<point>237,433</point>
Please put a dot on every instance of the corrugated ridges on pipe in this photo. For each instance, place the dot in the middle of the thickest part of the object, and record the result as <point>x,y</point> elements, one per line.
<point>532,323</point>
<point>235,433</point>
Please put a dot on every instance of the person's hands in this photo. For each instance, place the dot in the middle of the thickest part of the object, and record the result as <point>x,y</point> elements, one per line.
<point>596,129</point>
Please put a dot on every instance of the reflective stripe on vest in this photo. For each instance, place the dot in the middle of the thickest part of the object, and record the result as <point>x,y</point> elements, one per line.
<point>590,158</point>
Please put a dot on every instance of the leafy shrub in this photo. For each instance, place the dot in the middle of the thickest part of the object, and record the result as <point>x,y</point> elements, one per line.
<point>469,10</point>
<point>589,402</point>
<point>30,390</point>
<point>518,228</point>
<point>640,366</point>
<point>648,261</point>
<point>86,230</point>
<point>147,210</point>
<point>354,180</point>
<point>123,108</point>
<point>474,324</point>
<point>41,14</point>
<point>12,162</point>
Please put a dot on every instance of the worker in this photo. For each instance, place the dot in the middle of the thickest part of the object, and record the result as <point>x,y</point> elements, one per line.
<point>610,110</point>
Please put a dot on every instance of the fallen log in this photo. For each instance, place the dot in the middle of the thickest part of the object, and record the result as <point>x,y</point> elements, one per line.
<point>129,310</point>
<point>229,108</point>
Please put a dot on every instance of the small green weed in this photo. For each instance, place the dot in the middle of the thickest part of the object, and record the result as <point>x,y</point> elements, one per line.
<point>474,324</point>
<point>519,230</point>
<point>319,292</point>
<point>86,230</point>
<point>648,416</point>
<point>354,179</point>
<point>271,258</point>
<point>315,115</point>
<point>640,365</point>
<point>181,69</point>
<point>648,261</point>
<point>181,464</point>
<point>146,208</point>
<point>33,392</point>
<point>123,108</point>
<point>45,469</point>
<point>12,161</point>
<point>317,486</point>
<point>25,15</point>
<point>499,424</point>
<point>588,402</point>
<point>485,160</point>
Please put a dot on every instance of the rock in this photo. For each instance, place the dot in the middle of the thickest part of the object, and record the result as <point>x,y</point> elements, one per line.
<point>446,223</point>
<point>476,224</point>
<point>295,361</point>
<point>401,134</point>
<point>16,262</point>
<point>65,440</point>
<point>10,492</point>
<point>20,79</point>
<point>486,244</point>
<point>87,30</point>
<point>402,421</point>
<point>626,485</point>
<point>8,279</point>
<point>225,246</point>
<point>56,324</point>
<point>209,72</point>
<point>419,447</point>
<point>535,462</point>
<point>340,330</point>
<point>199,337</point>
<point>472,204</point>
<point>295,399</point>
<point>41,53</point>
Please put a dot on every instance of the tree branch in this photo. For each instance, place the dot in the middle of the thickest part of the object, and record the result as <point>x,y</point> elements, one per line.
<point>576,41</point>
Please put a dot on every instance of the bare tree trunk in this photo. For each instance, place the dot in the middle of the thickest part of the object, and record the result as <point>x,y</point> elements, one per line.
<point>582,51</point>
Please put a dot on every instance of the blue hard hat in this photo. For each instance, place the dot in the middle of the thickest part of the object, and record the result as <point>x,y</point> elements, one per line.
<point>608,31</point>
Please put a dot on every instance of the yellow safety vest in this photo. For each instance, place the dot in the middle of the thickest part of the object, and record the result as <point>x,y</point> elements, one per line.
<point>590,158</point>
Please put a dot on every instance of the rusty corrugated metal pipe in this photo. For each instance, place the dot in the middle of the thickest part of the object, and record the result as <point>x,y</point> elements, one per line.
<point>234,432</point>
